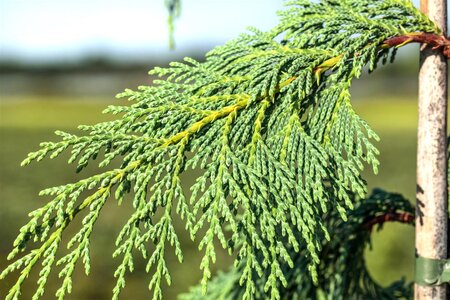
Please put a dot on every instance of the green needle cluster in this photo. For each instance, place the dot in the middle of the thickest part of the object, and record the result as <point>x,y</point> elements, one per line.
<point>342,271</point>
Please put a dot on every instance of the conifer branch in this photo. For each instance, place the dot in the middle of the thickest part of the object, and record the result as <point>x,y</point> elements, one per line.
<point>343,273</point>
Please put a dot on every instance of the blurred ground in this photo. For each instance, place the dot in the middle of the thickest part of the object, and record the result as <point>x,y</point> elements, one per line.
<point>35,101</point>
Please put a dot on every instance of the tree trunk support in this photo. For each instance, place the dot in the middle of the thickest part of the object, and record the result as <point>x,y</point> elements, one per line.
<point>432,207</point>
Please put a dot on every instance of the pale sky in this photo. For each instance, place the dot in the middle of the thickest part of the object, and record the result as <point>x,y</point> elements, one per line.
<point>67,29</point>
<point>53,29</point>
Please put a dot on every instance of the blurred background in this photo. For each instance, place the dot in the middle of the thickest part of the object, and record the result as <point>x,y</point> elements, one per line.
<point>62,62</point>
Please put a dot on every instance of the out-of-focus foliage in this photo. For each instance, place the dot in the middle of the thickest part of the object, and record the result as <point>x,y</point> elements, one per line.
<point>174,9</point>
<point>268,123</point>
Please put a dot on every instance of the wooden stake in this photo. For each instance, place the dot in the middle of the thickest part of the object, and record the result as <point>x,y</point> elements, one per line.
<point>431,207</point>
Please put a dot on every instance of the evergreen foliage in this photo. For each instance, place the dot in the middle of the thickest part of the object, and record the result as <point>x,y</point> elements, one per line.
<point>266,121</point>
<point>342,271</point>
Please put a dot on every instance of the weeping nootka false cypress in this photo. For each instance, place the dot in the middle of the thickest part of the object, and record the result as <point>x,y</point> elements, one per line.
<point>267,122</point>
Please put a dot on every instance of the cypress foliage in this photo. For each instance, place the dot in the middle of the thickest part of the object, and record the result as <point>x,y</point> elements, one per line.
<point>342,271</point>
<point>267,122</point>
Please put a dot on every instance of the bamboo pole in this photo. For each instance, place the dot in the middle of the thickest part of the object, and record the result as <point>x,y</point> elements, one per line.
<point>431,207</point>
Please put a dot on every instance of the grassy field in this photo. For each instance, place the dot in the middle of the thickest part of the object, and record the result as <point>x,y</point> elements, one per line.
<point>25,123</point>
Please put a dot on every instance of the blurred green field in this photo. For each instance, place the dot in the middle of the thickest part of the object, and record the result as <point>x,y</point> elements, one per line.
<point>25,123</point>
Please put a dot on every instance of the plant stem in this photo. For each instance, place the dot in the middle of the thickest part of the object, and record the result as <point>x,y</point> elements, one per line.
<point>402,217</point>
<point>437,42</point>
<point>431,207</point>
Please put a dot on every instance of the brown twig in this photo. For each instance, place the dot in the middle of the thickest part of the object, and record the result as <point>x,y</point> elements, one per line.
<point>403,217</point>
<point>435,41</point>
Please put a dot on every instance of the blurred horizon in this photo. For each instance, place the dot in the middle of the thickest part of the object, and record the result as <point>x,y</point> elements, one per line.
<point>64,32</point>
<point>53,32</point>
<point>100,47</point>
